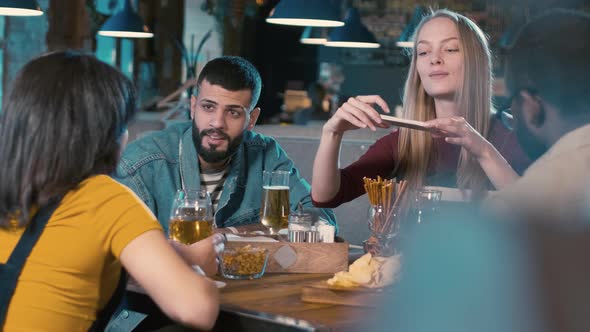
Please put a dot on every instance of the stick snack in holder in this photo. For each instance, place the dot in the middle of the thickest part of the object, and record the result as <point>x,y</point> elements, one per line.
<point>368,271</point>
<point>388,202</point>
<point>387,194</point>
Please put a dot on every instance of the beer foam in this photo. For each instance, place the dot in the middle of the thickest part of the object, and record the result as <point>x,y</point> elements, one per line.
<point>275,187</point>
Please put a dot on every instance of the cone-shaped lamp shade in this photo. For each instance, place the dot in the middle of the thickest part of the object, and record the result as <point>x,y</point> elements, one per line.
<point>313,13</point>
<point>20,8</point>
<point>405,39</point>
<point>353,34</point>
<point>125,24</point>
<point>314,36</point>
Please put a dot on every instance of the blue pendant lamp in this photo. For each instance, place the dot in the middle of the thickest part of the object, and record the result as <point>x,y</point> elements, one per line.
<point>405,39</point>
<point>313,13</point>
<point>125,24</point>
<point>20,8</point>
<point>314,36</point>
<point>353,34</point>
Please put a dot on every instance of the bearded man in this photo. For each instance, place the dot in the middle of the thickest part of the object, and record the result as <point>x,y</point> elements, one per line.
<point>216,150</point>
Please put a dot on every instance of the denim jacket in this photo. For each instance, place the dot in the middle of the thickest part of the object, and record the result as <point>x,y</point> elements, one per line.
<point>152,168</point>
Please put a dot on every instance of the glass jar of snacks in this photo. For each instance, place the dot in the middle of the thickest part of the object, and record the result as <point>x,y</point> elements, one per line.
<point>243,263</point>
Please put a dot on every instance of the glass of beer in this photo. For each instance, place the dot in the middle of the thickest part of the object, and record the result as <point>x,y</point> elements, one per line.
<point>191,219</point>
<point>274,209</point>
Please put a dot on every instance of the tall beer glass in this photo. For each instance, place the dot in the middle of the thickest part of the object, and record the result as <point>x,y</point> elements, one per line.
<point>274,210</point>
<point>191,218</point>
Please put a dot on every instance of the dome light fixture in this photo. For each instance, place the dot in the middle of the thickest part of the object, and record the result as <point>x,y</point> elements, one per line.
<point>405,39</point>
<point>353,34</point>
<point>125,24</point>
<point>314,36</point>
<point>20,8</point>
<point>313,13</point>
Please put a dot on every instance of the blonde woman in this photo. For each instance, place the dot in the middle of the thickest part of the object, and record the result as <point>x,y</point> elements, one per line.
<point>449,86</point>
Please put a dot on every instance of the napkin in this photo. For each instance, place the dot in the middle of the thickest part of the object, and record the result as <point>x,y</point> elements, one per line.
<point>237,238</point>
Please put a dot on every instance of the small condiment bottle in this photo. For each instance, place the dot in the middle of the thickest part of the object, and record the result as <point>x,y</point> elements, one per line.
<point>299,220</point>
<point>326,232</point>
<point>296,236</point>
<point>312,236</point>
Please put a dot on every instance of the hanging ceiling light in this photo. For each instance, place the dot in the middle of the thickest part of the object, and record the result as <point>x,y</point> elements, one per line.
<point>314,36</point>
<point>125,24</point>
<point>314,13</point>
<point>405,39</point>
<point>353,34</point>
<point>20,8</point>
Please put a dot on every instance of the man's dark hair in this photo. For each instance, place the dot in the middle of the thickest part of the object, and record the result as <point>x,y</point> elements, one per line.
<point>233,73</point>
<point>61,123</point>
<point>551,58</point>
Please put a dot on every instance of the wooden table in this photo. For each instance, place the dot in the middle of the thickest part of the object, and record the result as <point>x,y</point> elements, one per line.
<point>278,297</point>
<point>271,303</point>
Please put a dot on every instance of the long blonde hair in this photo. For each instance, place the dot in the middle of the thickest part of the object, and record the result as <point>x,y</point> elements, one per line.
<point>473,100</point>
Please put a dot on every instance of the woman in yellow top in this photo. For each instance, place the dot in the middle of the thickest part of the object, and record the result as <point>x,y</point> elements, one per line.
<point>62,129</point>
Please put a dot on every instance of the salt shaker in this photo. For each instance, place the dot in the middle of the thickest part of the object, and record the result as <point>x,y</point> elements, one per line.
<point>312,236</point>
<point>326,231</point>
<point>296,236</point>
<point>300,221</point>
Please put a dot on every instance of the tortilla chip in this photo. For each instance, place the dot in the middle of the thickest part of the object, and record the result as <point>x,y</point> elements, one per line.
<point>368,271</point>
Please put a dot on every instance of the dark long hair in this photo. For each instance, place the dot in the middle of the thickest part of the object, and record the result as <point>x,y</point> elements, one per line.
<point>61,124</point>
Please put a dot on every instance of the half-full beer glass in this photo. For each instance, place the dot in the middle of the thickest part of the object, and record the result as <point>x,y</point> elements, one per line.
<point>191,219</point>
<point>274,210</point>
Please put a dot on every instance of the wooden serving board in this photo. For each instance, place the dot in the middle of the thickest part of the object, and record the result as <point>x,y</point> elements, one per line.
<point>321,292</point>
<point>301,257</point>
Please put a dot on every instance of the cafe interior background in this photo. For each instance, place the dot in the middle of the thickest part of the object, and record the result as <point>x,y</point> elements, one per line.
<point>302,83</point>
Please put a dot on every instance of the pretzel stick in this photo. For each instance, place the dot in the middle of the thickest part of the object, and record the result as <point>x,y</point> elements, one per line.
<point>400,190</point>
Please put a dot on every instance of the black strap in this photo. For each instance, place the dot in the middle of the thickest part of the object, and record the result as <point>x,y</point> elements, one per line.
<point>115,304</point>
<point>10,272</point>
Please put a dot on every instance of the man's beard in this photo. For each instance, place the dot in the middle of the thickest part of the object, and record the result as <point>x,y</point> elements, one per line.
<point>212,155</point>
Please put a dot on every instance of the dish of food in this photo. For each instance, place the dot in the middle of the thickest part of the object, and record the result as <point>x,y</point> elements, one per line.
<point>368,271</point>
<point>243,263</point>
